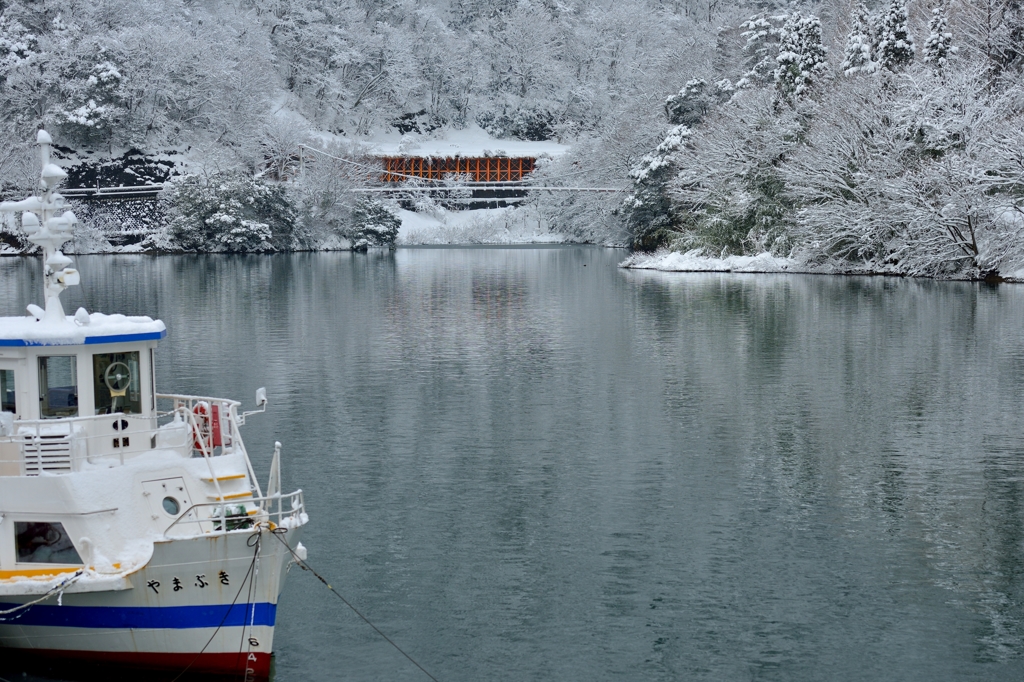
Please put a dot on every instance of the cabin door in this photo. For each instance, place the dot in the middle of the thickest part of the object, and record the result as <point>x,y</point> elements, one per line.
<point>168,499</point>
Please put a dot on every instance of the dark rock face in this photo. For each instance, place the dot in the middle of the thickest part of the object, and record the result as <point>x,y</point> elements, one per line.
<point>131,170</point>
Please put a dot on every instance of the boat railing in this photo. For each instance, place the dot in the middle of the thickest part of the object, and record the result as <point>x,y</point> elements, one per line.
<point>58,446</point>
<point>218,518</point>
<point>214,421</point>
<point>206,427</point>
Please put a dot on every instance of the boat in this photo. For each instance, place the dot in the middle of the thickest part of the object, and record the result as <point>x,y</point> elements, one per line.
<point>133,531</point>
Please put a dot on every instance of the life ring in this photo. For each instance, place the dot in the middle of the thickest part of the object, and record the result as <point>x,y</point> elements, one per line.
<point>201,427</point>
<point>206,433</point>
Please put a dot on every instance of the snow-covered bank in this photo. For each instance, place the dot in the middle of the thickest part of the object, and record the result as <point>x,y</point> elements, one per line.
<point>692,261</point>
<point>487,226</point>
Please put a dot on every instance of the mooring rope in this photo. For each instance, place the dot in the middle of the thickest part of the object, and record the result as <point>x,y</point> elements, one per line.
<point>306,567</point>
<point>56,588</point>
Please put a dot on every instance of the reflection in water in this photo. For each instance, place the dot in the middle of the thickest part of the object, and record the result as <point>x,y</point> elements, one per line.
<point>524,468</point>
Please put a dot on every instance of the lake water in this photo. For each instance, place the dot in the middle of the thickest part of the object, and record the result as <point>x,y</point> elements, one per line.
<point>528,464</point>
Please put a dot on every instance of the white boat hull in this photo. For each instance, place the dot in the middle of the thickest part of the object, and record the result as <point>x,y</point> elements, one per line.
<point>207,604</point>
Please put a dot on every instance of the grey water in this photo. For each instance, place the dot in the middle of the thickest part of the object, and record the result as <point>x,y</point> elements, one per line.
<point>529,464</point>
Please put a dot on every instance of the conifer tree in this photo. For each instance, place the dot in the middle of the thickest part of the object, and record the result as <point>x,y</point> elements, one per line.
<point>801,55</point>
<point>759,52</point>
<point>860,45</point>
<point>648,208</point>
<point>938,47</point>
<point>692,103</point>
<point>895,47</point>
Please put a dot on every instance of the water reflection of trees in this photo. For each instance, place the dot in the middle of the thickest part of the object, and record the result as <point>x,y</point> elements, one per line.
<point>870,398</point>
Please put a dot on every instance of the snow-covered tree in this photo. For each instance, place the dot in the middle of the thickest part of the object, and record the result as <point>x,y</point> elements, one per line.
<point>692,103</point>
<point>857,57</point>
<point>648,207</point>
<point>94,106</point>
<point>762,34</point>
<point>729,195</point>
<point>938,47</point>
<point>802,58</point>
<point>17,43</point>
<point>895,46</point>
<point>374,223</point>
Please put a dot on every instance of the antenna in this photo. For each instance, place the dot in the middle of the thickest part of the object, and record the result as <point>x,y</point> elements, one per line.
<point>48,224</point>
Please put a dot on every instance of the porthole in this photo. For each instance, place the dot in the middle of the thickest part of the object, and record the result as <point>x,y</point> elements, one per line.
<point>171,506</point>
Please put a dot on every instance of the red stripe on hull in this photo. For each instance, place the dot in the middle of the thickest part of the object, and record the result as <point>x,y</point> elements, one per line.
<point>254,666</point>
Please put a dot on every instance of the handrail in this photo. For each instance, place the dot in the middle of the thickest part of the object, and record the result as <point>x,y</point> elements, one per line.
<point>262,506</point>
<point>64,444</point>
<point>185,396</point>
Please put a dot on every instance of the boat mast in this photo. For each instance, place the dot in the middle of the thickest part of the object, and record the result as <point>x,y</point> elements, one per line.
<point>48,224</point>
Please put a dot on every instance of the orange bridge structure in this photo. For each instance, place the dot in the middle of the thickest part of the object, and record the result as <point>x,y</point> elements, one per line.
<point>471,169</point>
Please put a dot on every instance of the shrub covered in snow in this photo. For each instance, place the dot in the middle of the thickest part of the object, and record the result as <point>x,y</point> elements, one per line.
<point>374,223</point>
<point>523,123</point>
<point>227,212</point>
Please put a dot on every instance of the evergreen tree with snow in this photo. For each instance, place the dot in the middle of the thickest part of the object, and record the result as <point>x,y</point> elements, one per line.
<point>759,51</point>
<point>895,47</point>
<point>691,104</point>
<point>857,57</point>
<point>938,47</point>
<point>802,57</point>
<point>17,44</point>
<point>94,104</point>
<point>648,208</point>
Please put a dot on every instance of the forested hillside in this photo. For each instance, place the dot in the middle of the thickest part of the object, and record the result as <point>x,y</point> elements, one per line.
<point>881,137</point>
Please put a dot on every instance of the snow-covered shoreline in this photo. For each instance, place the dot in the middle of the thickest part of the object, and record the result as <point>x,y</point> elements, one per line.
<point>692,261</point>
<point>765,263</point>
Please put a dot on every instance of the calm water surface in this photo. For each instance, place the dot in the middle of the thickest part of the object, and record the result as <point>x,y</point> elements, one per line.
<point>527,464</point>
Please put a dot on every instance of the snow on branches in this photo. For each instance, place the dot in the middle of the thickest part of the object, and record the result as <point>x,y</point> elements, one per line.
<point>648,208</point>
<point>692,103</point>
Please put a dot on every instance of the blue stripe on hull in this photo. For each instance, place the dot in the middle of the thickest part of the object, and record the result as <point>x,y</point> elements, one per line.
<point>143,617</point>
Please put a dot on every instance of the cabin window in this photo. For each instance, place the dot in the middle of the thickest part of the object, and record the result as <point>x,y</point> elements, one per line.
<point>7,403</point>
<point>116,383</point>
<point>58,386</point>
<point>44,543</point>
<point>152,378</point>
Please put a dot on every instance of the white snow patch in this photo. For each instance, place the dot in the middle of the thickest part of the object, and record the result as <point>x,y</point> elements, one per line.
<point>471,141</point>
<point>483,226</point>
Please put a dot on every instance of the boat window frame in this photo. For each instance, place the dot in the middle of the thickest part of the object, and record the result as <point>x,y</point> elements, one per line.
<point>101,392</point>
<point>63,534</point>
<point>44,388</point>
<point>9,383</point>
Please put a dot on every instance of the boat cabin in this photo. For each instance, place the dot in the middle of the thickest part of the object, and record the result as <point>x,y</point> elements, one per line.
<point>63,381</point>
